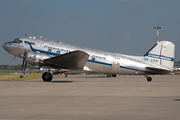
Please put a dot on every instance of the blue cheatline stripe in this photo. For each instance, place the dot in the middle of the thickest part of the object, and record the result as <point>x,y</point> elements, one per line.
<point>56,54</point>
<point>102,63</point>
<point>160,57</point>
<point>121,67</point>
<point>41,51</point>
<point>97,62</point>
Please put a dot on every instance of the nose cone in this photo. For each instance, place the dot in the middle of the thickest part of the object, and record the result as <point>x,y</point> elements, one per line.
<point>13,49</point>
<point>6,47</point>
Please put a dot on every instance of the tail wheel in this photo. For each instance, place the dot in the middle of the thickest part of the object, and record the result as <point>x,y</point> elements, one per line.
<point>149,79</point>
<point>47,76</point>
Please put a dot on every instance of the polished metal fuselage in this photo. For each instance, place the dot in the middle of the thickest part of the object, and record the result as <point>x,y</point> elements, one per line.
<point>98,61</point>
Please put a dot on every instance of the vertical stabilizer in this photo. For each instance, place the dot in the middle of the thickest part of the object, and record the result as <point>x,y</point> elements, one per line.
<point>161,54</point>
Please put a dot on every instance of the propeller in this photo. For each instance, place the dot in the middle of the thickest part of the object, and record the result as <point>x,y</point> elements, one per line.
<point>25,67</point>
<point>14,58</point>
<point>24,64</point>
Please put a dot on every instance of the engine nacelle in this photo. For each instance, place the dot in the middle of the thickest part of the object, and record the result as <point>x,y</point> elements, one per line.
<point>35,58</point>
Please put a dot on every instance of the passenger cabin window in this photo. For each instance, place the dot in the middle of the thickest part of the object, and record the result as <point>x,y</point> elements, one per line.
<point>49,50</point>
<point>58,52</point>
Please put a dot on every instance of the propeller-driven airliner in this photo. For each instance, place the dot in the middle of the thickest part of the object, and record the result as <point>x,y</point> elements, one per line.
<point>38,52</point>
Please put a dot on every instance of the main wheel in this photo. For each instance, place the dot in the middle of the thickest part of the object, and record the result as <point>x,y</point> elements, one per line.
<point>149,79</point>
<point>114,75</point>
<point>46,76</point>
<point>108,75</point>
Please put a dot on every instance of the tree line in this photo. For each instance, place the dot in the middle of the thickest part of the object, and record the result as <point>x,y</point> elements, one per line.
<point>14,67</point>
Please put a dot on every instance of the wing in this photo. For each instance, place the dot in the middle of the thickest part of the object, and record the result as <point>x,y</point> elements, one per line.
<point>72,60</point>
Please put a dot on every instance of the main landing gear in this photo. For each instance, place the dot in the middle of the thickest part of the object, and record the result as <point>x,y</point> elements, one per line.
<point>47,76</point>
<point>149,79</point>
<point>113,75</point>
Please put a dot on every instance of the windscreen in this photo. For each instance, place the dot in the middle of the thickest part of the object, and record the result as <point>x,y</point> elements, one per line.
<point>17,41</point>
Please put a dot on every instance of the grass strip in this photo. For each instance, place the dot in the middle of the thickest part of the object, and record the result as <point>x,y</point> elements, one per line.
<point>18,77</point>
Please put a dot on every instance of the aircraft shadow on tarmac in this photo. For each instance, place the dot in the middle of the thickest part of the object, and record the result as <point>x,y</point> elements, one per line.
<point>94,77</point>
<point>61,81</point>
<point>176,99</point>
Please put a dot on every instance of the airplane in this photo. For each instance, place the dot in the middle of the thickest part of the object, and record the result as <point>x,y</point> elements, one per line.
<point>38,52</point>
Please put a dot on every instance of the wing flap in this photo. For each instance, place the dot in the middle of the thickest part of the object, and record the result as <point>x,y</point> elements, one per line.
<point>72,60</point>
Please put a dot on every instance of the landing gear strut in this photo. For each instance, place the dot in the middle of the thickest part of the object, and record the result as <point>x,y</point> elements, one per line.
<point>149,79</point>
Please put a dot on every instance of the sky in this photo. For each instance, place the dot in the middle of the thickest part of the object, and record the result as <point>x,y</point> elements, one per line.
<point>120,26</point>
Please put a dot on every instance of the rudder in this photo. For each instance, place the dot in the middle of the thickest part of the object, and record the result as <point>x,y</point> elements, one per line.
<point>161,54</point>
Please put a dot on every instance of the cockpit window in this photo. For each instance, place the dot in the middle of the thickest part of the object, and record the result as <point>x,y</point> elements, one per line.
<point>17,41</point>
<point>20,41</point>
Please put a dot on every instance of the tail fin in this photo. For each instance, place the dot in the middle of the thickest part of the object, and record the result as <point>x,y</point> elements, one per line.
<point>161,54</point>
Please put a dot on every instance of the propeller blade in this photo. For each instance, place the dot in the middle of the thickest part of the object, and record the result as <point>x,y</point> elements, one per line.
<point>14,58</point>
<point>23,64</point>
<point>24,60</point>
<point>25,67</point>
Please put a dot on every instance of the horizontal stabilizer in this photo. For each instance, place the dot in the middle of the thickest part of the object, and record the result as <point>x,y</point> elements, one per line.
<point>158,70</point>
<point>72,60</point>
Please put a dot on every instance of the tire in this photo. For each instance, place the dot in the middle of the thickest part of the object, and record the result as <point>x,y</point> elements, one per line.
<point>46,78</point>
<point>108,75</point>
<point>114,75</point>
<point>149,79</point>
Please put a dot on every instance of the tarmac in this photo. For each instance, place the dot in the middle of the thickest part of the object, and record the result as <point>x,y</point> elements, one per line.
<point>92,97</point>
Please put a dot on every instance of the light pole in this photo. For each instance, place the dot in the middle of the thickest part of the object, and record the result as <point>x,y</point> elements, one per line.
<point>158,31</point>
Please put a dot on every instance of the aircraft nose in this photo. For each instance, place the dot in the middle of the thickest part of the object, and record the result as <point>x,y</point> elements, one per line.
<point>6,47</point>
